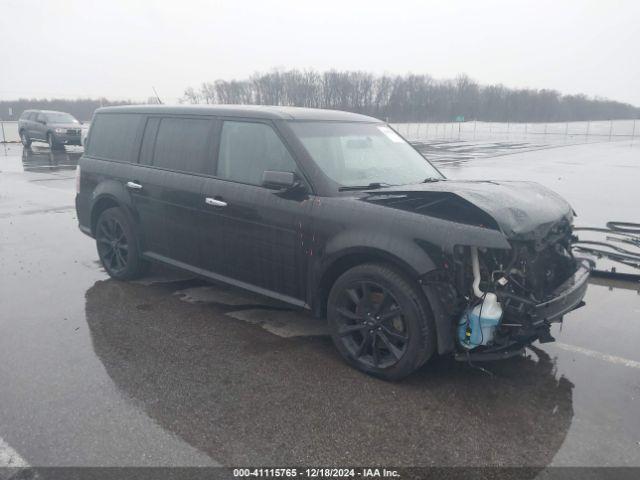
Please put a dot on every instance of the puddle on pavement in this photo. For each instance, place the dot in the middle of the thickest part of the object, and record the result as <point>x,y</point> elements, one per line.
<point>39,159</point>
<point>246,395</point>
<point>283,324</point>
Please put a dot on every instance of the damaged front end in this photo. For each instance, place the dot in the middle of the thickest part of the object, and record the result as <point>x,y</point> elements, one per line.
<point>498,301</point>
<point>504,268</point>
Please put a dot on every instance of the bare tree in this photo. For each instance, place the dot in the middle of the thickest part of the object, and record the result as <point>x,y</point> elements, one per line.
<point>407,97</point>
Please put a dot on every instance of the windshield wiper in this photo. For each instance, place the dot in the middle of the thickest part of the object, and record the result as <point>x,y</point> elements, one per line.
<point>431,179</point>
<point>365,187</point>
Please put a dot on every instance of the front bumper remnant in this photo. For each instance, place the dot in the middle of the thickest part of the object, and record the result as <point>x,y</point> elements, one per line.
<point>567,297</point>
<point>534,318</point>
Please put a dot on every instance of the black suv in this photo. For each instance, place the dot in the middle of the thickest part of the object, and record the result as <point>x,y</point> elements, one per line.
<point>336,213</point>
<point>55,128</point>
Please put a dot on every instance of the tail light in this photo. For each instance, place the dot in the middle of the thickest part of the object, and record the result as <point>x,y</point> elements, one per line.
<point>78,179</point>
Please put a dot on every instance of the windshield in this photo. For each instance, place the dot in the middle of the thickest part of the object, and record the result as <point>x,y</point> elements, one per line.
<point>360,154</point>
<point>60,118</point>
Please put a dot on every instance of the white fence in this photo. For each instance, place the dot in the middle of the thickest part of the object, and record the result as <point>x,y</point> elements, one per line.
<point>556,132</point>
<point>9,132</point>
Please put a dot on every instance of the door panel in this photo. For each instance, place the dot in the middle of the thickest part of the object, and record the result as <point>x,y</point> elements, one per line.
<point>183,200</point>
<point>251,233</point>
<point>184,147</point>
<point>149,204</point>
<point>257,238</point>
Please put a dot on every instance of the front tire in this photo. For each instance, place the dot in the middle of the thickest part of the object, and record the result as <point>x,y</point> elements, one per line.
<point>24,138</point>
<point>118,246</point>
<point>380,321</point>
<point>53,145</point>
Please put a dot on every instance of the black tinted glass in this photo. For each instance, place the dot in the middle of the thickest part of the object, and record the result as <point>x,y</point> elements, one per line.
<point>149,140</point>
<point>183,144</point>
<point>60,117</point>
<point>113,136</point>
<point>248,149</point>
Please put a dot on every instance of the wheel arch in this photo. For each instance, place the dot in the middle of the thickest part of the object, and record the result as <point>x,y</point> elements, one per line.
<point>101,204</point>
<point>349,258</point>
<point>107,194</point>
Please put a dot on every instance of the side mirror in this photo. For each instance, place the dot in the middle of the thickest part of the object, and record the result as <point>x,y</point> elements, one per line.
<point>43,122</point>
<point>278,180</point>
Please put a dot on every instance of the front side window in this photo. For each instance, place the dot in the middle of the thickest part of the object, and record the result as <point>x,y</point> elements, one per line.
<point>248,149</point>
<point>359,154</point>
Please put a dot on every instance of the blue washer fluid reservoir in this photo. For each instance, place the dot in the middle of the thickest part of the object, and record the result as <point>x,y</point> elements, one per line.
<point>481,329</point>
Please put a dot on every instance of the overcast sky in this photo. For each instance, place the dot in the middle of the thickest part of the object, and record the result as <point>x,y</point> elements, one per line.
<point>120,49</point>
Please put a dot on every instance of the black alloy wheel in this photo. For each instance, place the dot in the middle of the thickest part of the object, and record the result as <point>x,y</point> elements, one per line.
<point>371,324</point>
<point>118,246</point>
<point>113,245</point>
<point>380,321</point>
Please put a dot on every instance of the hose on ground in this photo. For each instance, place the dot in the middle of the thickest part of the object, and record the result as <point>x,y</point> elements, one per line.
<point>623,232</point>
<point>626,227</point>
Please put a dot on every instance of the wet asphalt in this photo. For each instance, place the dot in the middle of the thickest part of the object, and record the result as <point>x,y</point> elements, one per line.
<point>171,370</point>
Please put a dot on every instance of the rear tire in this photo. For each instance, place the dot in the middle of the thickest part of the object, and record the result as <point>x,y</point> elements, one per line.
<point>380,321</point>
<point>118,246</point>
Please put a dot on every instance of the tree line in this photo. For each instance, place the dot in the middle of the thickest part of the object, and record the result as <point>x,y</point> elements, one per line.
<point>408,98</point>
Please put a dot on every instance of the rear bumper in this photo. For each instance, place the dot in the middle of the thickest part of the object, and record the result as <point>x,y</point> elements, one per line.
<point>82,213</point>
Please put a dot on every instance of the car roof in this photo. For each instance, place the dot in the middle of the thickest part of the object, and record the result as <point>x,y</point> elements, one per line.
<point>44,111</point>
<point>251,111</point>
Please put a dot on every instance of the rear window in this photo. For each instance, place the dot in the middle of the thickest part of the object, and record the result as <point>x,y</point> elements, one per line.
<point>184,144</point>
<point>113,137</point>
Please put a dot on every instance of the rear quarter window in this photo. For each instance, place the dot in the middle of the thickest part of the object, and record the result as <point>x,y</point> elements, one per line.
<point>113,136</point>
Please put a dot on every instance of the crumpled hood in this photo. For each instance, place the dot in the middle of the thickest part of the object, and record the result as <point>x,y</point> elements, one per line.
<point>521,210</point>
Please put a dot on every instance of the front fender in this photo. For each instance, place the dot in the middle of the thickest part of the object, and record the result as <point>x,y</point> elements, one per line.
<point>402,251</point>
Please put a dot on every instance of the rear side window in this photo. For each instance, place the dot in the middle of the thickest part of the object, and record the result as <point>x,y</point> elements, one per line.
<point>248,149</point>
<point>183,144</point>
<point>113,136</point>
